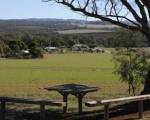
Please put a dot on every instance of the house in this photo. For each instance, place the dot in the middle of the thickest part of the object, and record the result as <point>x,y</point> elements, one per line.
<point>98,49</point>
<point>25,51</point>
<point>80,47</point>
<point>51,49</point>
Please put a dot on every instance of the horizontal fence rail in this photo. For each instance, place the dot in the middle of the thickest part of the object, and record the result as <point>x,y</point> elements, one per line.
<point>108,102</point>
<point>41,103</point>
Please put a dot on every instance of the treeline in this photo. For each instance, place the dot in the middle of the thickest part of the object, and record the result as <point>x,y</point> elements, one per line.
<point>20,46</point>
<point>35,26</point>
<point>132,39</point>
<point>12,44</point>
<point>17,44</point>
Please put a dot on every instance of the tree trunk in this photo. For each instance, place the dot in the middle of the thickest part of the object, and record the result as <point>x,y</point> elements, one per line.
<point>146,89</point>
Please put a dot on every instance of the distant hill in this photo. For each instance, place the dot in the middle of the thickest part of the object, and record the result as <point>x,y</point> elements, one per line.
<point>49,25</point>
<point>35,24</point>
<point>59,32</point>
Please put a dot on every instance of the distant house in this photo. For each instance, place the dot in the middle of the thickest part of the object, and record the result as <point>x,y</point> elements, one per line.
<point>98,49</point>
<point>18,54</point>
<point>51,49</point>
<point>25,51</point>
<point>80,47</point>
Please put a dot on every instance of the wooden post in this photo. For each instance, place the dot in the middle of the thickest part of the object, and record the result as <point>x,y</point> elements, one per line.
<point>65,99</point>
<point>140,109</point>
<point>3,106</point>
<point>42,111</point>
<point>80,97</point>
<point>106,112</point>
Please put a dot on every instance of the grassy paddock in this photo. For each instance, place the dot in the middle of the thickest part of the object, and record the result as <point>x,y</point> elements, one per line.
<point>26,78</point>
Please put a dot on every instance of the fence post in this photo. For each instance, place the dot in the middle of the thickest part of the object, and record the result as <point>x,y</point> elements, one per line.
<point>106,112</point>
<point>65,99</point>
<point>42,111</point>
<point>3,105</point>
<point>141,109</point>
<point>80,97</point>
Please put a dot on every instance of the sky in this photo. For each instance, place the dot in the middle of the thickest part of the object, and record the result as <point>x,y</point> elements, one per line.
<point>22,9</point>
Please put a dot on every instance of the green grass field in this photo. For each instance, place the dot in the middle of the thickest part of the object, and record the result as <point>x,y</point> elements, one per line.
<point>26,78</point>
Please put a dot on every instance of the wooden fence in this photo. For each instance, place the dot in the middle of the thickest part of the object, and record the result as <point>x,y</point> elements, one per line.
<point>108,102</point>
<point>41,103</point>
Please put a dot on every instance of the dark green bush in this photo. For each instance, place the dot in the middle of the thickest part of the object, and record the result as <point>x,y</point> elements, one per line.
<point>36,52</point>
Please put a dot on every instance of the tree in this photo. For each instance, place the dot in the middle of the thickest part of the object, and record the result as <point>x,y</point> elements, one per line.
<point>1,49</point>
<point>13,45</point>
<point>36,52</point>
<point>129,39</point>
<point>132,66</point>
<point>130,14</point>
<point>132,63</point>
<point>27,39</point>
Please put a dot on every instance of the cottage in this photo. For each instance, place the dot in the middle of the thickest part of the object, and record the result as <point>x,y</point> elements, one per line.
<point>51,49</point>
<point>80,47</point>
<point>98,49</point>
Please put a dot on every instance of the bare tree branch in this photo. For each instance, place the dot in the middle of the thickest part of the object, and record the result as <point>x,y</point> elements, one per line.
<point>117,12</point>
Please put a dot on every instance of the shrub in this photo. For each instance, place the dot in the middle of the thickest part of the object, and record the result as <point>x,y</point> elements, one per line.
<point>36,52</point>
<point>132,66</point>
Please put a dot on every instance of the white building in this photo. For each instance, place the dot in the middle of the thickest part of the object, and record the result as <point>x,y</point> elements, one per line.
<point>80,47</point>
<point>51,49</point>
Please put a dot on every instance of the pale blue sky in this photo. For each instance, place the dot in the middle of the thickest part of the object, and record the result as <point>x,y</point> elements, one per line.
<point>20,9</point>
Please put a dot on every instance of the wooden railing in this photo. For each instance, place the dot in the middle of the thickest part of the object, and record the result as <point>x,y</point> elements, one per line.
<point>108,102</point>
<point>41,103</point>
